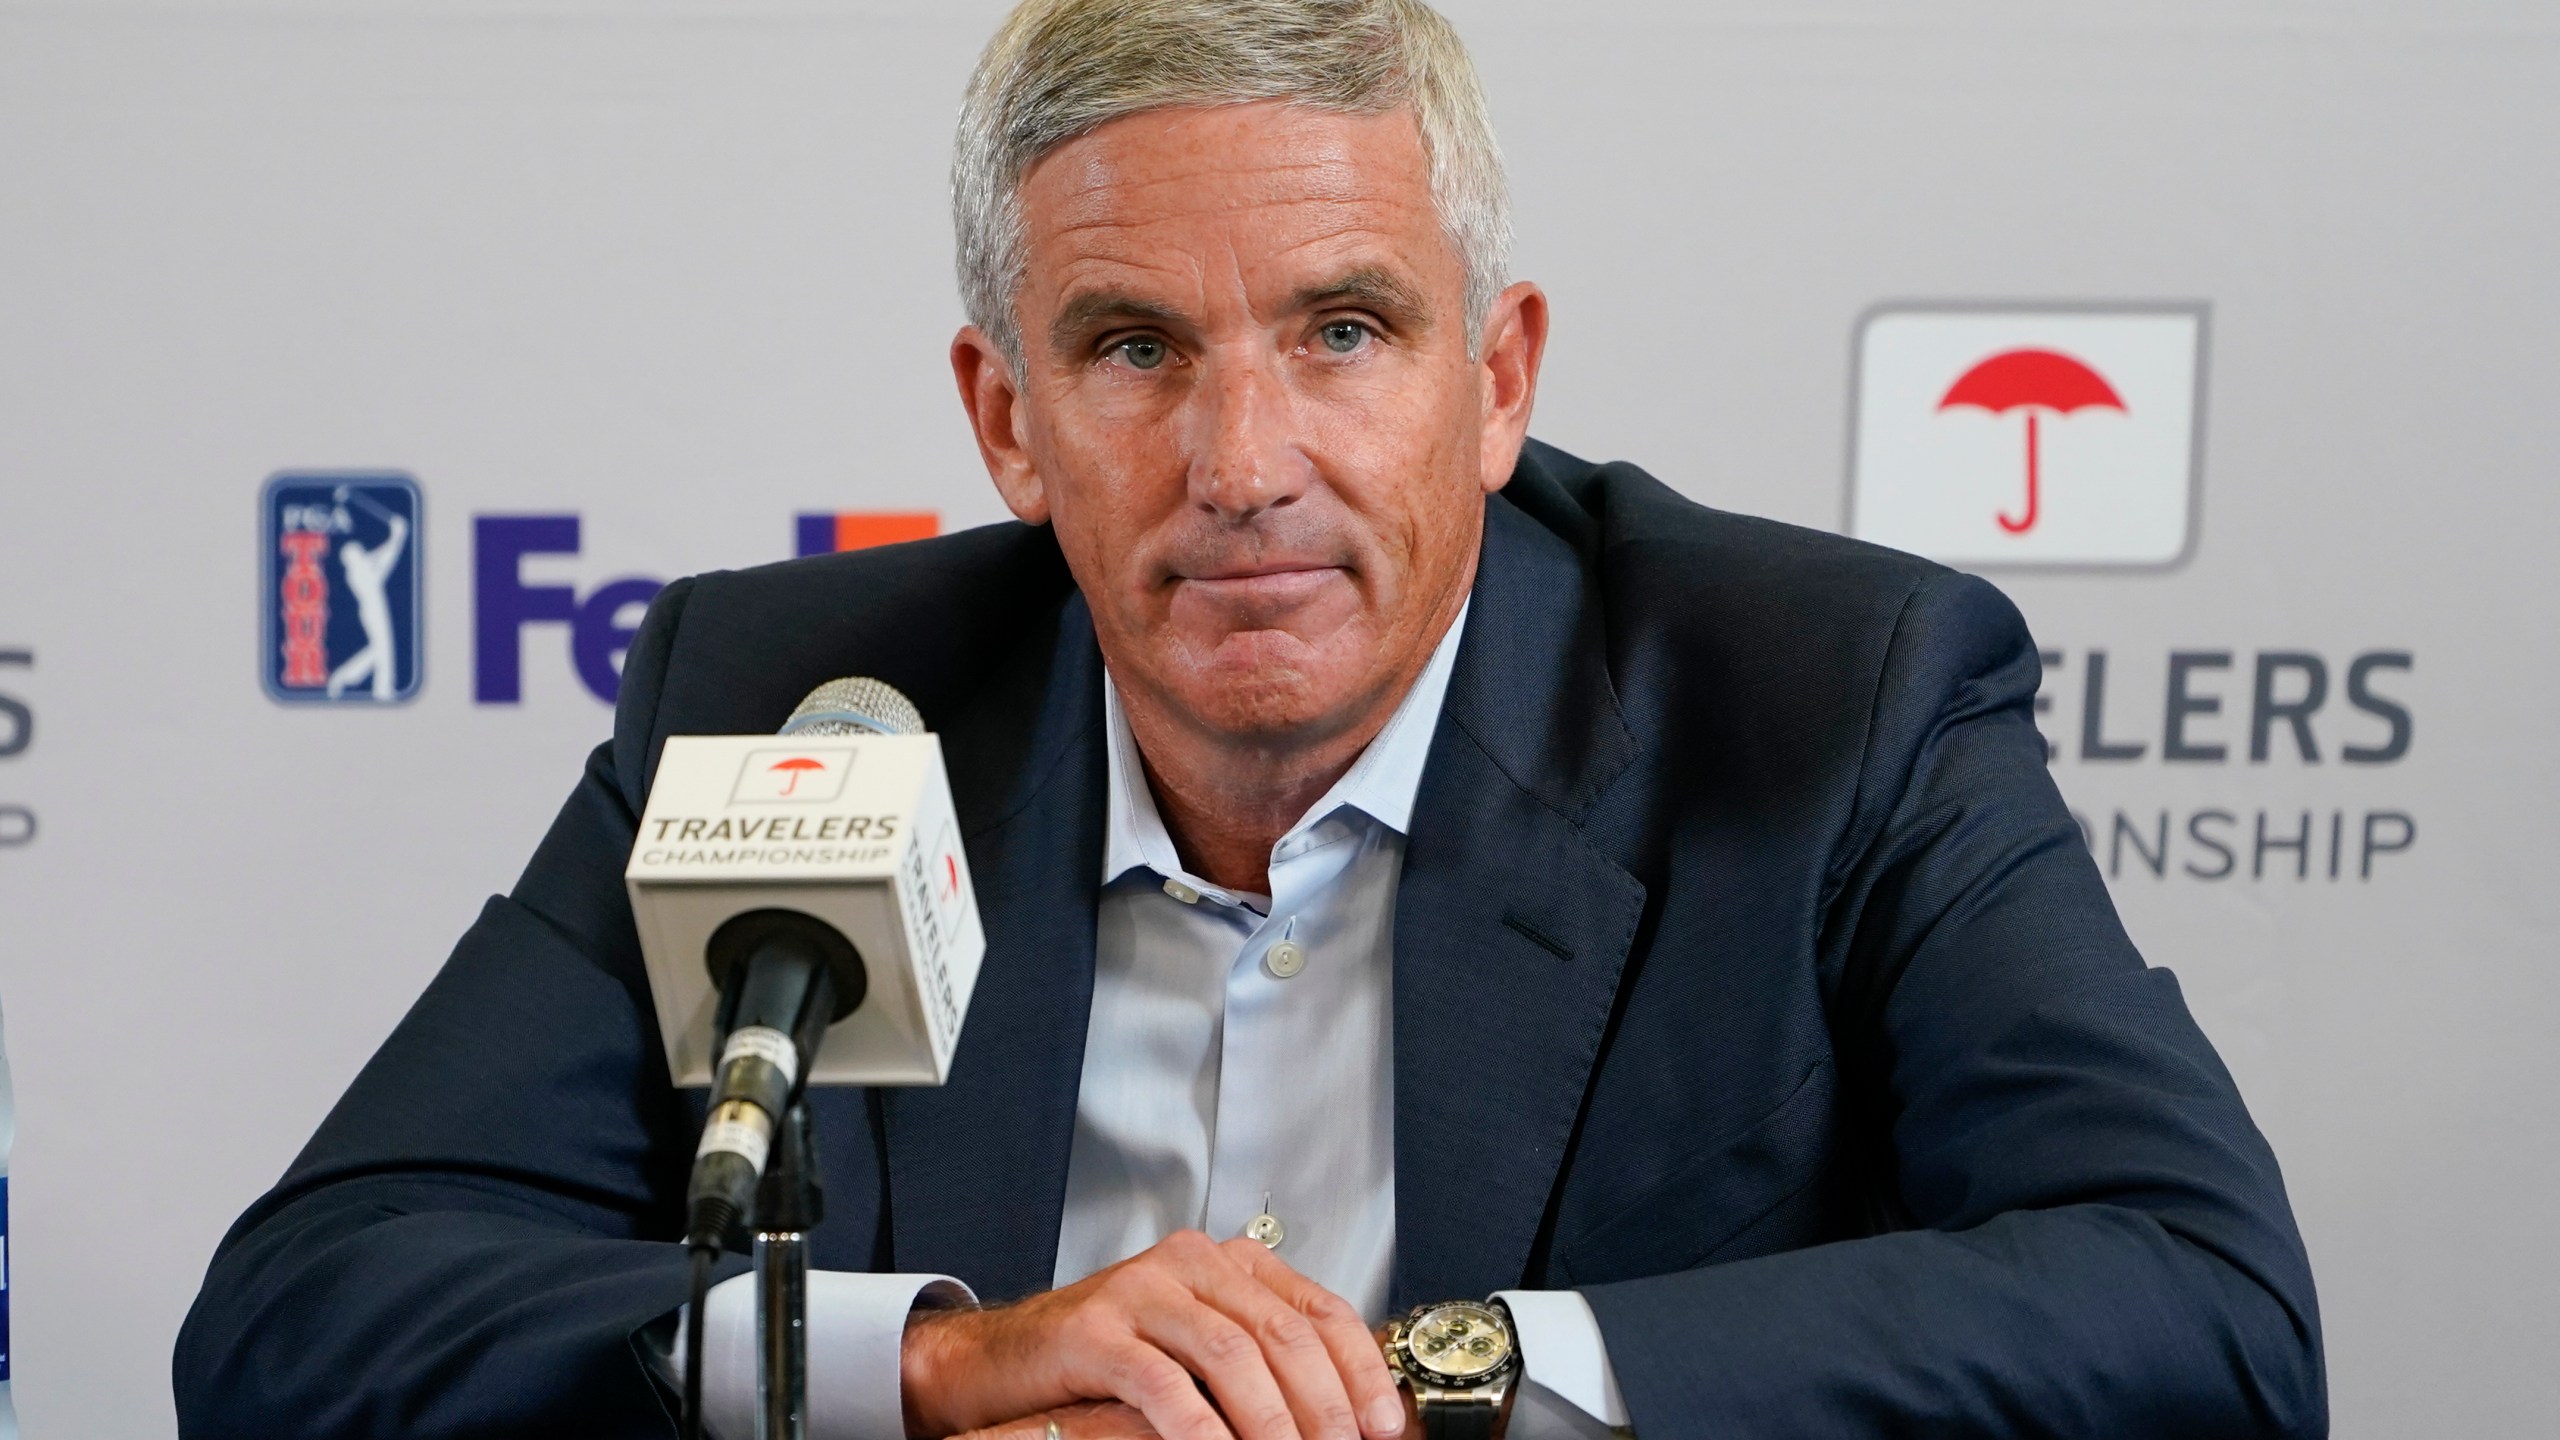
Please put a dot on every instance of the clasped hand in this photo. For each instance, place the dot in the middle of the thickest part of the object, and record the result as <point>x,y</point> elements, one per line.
<point>1190,1340</point>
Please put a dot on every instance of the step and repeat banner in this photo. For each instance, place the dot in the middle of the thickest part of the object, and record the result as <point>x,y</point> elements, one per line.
<point>366,368</point>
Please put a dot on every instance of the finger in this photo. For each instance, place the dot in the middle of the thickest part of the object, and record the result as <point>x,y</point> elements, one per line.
<point>1156,1385</point>
<point>1309,1377</point>
<point>1094,1420</point>
<point>1229,1359</point>
<point>1346,1337</point>
<point>1108,1420</point>
<point>1104,1420</point>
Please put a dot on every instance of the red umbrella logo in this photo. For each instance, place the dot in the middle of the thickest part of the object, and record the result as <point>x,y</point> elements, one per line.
<point>2031,380</point>
<point>795,767</point>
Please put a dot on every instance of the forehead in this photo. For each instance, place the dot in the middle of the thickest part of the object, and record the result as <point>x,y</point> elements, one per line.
<point>1258,192</point>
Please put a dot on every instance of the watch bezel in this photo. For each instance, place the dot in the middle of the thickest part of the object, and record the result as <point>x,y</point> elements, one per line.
<point>1424,1370</point>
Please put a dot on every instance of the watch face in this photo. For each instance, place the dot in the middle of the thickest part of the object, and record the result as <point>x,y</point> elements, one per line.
<point>1458,1342</point>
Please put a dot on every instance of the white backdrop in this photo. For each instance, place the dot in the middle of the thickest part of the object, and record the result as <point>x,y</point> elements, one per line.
<point>682,269</point>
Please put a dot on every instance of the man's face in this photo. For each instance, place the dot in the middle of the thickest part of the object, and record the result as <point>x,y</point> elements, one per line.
<point>1247,407</point>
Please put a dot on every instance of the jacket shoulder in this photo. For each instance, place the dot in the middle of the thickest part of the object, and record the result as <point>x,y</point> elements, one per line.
<point>1689,573</point>
<point>1784,649</point>
<point>1626,520</point>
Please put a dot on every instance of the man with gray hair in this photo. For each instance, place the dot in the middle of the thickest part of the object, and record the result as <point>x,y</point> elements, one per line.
<point>1478,945</point>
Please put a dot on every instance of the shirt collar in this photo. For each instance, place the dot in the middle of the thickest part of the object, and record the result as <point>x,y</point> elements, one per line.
<point>1380,784</point>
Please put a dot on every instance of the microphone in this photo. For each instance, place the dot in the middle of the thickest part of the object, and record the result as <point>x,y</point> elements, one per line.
<point>783,977</point>
<point>805,914</point>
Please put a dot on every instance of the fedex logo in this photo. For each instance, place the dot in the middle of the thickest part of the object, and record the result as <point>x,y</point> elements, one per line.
<point>601,622</point>
<point>827,532</point>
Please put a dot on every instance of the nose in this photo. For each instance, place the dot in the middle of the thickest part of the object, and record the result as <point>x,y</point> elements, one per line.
<point>1245,456</point>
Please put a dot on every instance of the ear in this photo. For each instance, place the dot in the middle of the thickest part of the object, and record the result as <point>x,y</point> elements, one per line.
<point>997,417</point>
<point>1513,344</point>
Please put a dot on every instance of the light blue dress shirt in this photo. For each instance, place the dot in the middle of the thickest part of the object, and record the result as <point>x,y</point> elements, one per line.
<point>1239,1069</point>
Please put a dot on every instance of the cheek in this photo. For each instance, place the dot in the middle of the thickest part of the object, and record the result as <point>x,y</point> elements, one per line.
<point>1109,486</point>
<point>1407,458</point>
<point>1097,531</point>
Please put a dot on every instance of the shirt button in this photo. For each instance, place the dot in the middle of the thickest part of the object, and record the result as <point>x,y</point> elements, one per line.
<point>1266,1230</point>
<point>1182,892</point>
<point>1285,959</point>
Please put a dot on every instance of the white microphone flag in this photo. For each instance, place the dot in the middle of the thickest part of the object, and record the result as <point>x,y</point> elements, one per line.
<point>856,830</point>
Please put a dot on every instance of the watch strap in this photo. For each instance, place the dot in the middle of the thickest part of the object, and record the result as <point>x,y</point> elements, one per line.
<point>1458,1415</point>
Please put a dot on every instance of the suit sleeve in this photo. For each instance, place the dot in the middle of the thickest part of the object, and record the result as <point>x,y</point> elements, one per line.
<point>2095,1238</point>
<point>469,1243</point>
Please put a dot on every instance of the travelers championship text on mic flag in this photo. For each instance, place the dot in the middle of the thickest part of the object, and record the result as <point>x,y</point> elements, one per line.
<point>856,831</point>
<point>373,367</point>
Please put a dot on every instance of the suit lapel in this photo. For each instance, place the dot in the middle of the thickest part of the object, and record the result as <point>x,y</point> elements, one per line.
<point>978,1168</point>
<point>1511,926</point>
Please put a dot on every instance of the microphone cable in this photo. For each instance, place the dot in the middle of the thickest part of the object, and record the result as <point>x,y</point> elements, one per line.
<point>698,1320</point>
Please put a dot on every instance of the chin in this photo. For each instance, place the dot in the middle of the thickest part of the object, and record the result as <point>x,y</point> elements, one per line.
<point>1260,712</point>
<point>1249,691</point>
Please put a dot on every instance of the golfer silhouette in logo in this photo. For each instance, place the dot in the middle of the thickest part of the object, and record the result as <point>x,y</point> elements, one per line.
<point>368,575</point>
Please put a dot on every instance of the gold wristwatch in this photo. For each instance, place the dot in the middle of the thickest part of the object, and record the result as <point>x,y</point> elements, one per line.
<point>1460,1361</point>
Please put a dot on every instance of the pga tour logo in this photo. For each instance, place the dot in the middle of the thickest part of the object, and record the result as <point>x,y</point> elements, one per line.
<point>341,607</point>
<point>2061,436</point>
<point>791,777</point>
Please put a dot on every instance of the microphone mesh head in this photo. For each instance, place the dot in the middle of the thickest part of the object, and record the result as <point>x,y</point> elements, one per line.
<point>856,705</point>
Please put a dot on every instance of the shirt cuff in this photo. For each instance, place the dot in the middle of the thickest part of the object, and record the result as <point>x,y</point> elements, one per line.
<point>857,1328</point>
<point>1567,1390</point>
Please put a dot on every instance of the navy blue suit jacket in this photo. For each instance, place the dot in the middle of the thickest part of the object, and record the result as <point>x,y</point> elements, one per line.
<point>1819,1060</point>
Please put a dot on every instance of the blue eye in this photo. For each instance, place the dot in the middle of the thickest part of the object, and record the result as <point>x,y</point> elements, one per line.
<point>1143,352</point>
<point>1344,336</point>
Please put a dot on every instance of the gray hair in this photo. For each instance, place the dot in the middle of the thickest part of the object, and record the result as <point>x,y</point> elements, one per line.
<point>1057,69</point>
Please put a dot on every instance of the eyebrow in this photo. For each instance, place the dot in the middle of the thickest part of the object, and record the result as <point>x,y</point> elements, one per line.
<point>1085,313</point>
<point>1370,288</point>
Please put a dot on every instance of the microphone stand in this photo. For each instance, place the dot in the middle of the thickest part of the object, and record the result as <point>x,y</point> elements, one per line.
<point>789,1204</point>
